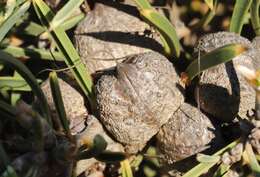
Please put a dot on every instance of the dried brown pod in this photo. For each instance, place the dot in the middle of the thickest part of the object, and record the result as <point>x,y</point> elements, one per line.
<point>73,102</point>
<point>138,98</point>
<point>222,91</point>
<point>187,132</point>
<point>112,31</point>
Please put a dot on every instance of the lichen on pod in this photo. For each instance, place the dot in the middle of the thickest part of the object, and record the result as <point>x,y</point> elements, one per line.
<point>222,91</point>
<point>112,31</point>
<point>138,98</point>
<point>187,132</point>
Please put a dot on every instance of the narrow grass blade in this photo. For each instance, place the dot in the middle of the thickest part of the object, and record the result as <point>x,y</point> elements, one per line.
<point>111,157</point>
<point>96,147</point>
<point>143,4</point>
<point>249,157</point>
<point>203,158</point>
<point>72,58</point>
<point>222,169</point>
<point>239,14</point>
<point>217,56</point>
<point>126,169</point>
<point>8,23</point>
<point>166,30</point>
<point>33,29</point>
<point>10,6</point>
<point>65,12</point>
<point>8,60</point>
<point>33,53</point>
<point>204,167</point>
<point>15,84</point>
<point>73,21</point>
<point>255,19</point>
<point>57,98</point>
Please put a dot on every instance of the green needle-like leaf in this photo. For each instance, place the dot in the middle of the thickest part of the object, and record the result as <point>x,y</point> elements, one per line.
<point>33,53</point>
<point>126,168</point>
<point>210,3</point>
<point>239,15</point>
<point>65,46</point>
<point>9,22</point>
<point>11,62</point>
<point>203,158</point>
<point>217,56</point>
<point>169,36</point>
<point>57,98</point>
<point>204,167</point>
<point>255,19</point>
<point>65,12</point>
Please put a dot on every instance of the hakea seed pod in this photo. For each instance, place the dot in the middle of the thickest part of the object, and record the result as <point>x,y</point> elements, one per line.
<point>187,132</point>
<point>112,31</point>
<point>137,98</point>
<point>222,91</point>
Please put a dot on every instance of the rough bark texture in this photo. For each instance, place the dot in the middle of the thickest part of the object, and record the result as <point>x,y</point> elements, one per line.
<point>73,103</point>
<point>111,31</point>
<point>186,133</point>
<point>138,99</point>
<point>222,91</point>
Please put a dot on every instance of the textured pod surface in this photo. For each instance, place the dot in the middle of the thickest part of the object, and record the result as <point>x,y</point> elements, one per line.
<point>138,98</point>
<point>112,30</point>
<point>222,91</point>
<point>73,102</point>
<point>186,133</point>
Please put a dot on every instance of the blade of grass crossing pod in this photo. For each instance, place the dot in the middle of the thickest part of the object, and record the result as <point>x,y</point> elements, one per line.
<point>57,98</point>
<point>9,22</point>
<point>72,58</point>
<point>65,12</point>
<point>8,60</point>
<point>166,30</point>
<point>73,21</point>
<point>249,157</point>
<point>255,19</point>
<point>143,4</point>
<point>126,168</point>
<point>217,56</point>
<point>33,53</point>
<point>239,14</point>
<point>204,167</point>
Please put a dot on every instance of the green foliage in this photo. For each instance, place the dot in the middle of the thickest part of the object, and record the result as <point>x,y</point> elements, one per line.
<point>161,23</point>
<point>65,46</point>
<point>217,56</point>
<point>239,15</point>
<point>255,19</point>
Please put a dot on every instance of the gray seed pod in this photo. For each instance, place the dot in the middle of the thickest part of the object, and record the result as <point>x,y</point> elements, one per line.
<point>186,133</point>
<point>73,102</point>
<point>136,101</point>
<point>110,32</point>
<point>222,91</point>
